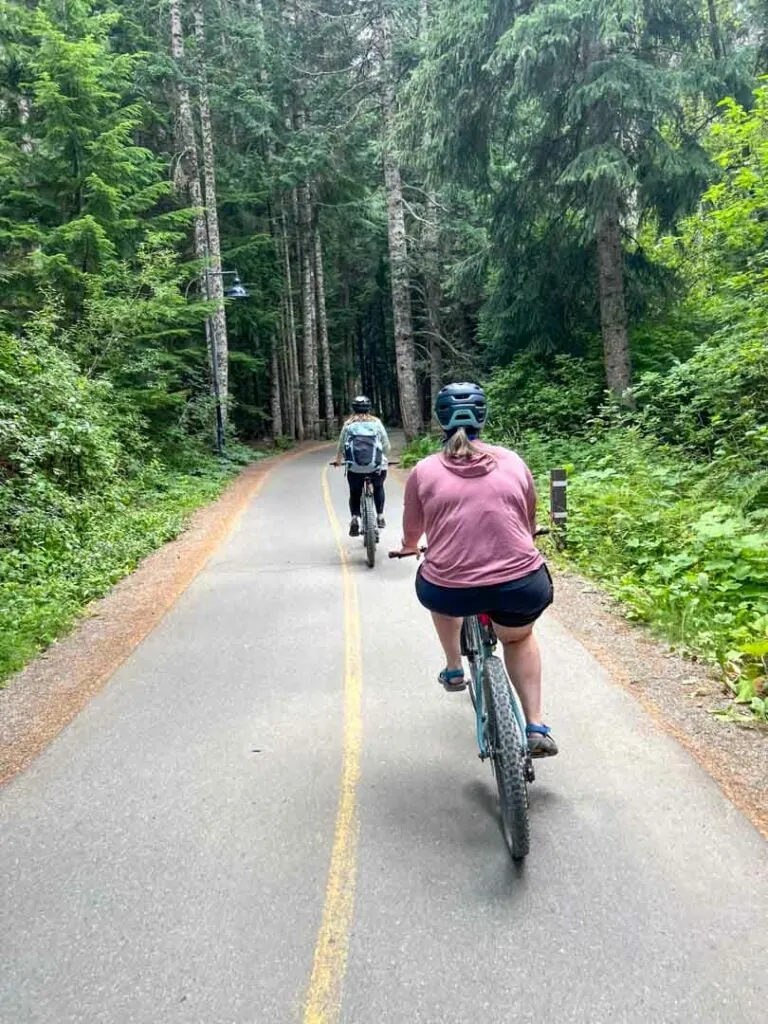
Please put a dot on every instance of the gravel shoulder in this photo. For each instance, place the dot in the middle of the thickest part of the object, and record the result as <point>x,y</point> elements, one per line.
<point>679,693</point>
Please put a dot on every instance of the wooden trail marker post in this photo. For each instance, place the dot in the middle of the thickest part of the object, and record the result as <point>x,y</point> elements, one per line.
<point>558,505</point>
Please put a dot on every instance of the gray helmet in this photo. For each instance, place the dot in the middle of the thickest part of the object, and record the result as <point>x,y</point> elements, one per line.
<point>361,403</point>
<point>461,405</point>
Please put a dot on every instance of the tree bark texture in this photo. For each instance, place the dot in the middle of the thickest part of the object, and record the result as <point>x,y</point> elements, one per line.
<point>423,17</point>
<point>613,314</point>
<point>24,106</point>
<point>308,317</point>
<point>215,280</point>
<point>275,403</point>
<point>322,333</point>
<point>188,171</point>
<point>431,241</point>
<point>433,298</point>
<point>405,357</point>
<point>714,31</point>
<point>285,384</point>
<point>187,179</point>
<point>290,316</point>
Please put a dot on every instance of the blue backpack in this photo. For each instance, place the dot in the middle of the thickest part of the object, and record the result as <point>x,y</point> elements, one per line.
<point>362,449</point>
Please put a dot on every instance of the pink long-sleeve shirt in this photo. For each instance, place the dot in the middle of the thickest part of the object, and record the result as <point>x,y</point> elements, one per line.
<point>479,516</point>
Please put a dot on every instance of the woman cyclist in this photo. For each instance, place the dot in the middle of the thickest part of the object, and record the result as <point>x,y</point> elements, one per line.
<point>363,445</point>
<point>476,503</point>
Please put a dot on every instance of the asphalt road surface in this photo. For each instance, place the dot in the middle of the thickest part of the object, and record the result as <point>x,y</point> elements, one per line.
<point>273,813</point>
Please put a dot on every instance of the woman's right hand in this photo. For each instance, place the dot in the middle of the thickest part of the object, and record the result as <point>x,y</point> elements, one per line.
<point>407,552</point>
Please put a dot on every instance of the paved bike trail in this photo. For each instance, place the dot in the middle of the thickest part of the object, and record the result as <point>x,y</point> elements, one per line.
<point>166,858</point>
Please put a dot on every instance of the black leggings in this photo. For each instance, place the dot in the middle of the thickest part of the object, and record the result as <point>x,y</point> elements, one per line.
<point>355,481</point>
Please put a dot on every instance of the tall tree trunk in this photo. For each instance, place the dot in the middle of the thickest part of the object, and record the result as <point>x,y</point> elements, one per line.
<point>613,314</point>
<point>322,324</point>
<point>361,356</point>
<point>405,356</point>
<point>289,412</point>
<point>352,376</point>
<point>293,361</point>
<point>433,297</point>
<point>431,240</point>
<point>287,385</point>
<point>714,31</point>
<point>308,317</point>
<point>188,172</point>
<point>275,403</point>
<point>24,110</point>
<point>216,284</point>
<point>187,179</point>
<point>352,384</point>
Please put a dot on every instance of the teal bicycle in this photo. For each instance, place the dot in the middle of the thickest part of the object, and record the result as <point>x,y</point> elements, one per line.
<point>500,725</point>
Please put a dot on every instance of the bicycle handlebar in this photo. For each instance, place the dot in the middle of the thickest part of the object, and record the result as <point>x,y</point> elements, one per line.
<point>540,532</point>
<point>390,462</point>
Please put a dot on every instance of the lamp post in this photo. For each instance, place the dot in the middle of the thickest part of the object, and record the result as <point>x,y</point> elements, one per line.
<point>237,290</point>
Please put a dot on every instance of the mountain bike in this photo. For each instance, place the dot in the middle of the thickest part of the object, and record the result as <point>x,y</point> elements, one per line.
<point>500,726</point>
<point>369,531</point>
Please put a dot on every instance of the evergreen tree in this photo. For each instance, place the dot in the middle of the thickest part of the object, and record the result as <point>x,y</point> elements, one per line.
<point>583,116</point>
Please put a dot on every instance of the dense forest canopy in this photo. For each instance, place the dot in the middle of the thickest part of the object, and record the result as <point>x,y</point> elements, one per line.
<point>221,219</point>
<point>401,191</point>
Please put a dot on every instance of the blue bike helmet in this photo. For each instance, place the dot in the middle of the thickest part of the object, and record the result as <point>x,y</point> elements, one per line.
<point>461,405</point>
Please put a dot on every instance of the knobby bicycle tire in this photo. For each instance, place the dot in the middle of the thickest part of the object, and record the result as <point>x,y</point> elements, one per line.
<point>508,760</point>
<point>369,518</point>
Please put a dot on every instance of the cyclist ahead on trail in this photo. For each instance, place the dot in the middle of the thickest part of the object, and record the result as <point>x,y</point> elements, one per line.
<point>363,446</point>
<point>476,503</point>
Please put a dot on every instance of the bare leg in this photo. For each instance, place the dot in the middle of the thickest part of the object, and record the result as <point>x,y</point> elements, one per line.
<point>449,631</point>
<point>523,661</point>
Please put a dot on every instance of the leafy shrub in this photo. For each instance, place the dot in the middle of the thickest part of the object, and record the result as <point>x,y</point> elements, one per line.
<point>558,396</point>
<point>68,550</point>
<point>82,499</point>
<point>715,402</point>
<point>54,420</point>
<point>674,539</point>
<point>419,449</point>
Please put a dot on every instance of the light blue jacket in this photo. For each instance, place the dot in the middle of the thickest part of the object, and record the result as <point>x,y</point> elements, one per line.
<point>349,428</point>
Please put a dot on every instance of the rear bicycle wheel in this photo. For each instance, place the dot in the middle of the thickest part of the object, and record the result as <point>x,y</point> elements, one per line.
<point>369,529</point>
<point>508,757</point>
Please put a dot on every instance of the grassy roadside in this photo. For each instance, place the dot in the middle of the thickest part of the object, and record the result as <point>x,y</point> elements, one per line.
<point>71,550</point>
<point>683,545</point>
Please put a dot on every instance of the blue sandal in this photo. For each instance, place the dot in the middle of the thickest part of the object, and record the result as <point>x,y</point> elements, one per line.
<point>540,742</point>
<point>452,680</point>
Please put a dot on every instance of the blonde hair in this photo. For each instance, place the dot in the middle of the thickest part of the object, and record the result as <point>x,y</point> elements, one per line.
<point>460,446</point>
<point>360,417</point>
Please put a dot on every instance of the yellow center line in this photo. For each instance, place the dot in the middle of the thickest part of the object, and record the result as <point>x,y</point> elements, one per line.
<point>323,1000</point>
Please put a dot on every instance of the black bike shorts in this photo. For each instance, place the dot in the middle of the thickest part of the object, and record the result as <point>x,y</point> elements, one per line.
<point>515,603</point>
